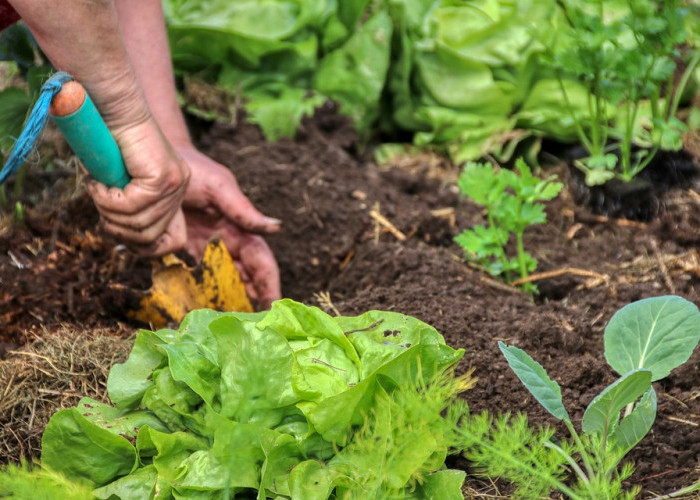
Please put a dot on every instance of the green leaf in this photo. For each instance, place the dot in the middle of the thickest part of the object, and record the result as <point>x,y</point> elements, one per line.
<point>354,74</point>
<point>535,378</point>
<point>127,382</point>
<point>256,367</point>
<point>443,484</point>
<point>603,413</point>
<point>81,450</point>
<point>311,480</point>
<point>169,450</point>
<point>297,321</point>
<point>120,422</point>
<point>658,334</point>
<point>137,486</point>
<point>637,424</point>
<point>189,363</point>
<point>14,106</point>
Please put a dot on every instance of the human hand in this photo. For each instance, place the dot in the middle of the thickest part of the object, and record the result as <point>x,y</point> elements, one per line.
<point>214,205</point>
<point>147,213</point>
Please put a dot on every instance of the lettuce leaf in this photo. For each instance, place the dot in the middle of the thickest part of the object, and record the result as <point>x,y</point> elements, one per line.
<point>282,404</point>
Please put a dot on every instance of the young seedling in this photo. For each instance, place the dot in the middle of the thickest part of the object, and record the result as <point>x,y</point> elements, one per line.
<point>625,55</point>
<point>512,203</point>
<point>644,342</point>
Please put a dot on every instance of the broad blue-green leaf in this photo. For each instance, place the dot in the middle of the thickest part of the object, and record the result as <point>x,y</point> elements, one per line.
<point>535,378</point>
<point>658,334</point>
<point>81,450</point>
<point>127,382</point>
<point>136,486</point>
<point>256,371</point>
<point>603,413</point>
<point>637,424</point>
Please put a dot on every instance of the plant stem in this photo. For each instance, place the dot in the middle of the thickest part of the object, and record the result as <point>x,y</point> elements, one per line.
<point>501,254</point>
<point>684,82</point>
<point>581,448</point>
<point>577,124</point>
<point>521,254</point>
<point>679,493</point>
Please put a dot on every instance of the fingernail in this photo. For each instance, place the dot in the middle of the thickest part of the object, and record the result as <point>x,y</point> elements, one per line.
<point>272,220</point>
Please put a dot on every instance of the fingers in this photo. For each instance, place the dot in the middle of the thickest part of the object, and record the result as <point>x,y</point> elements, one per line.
<point>154,241</point>
<point>259,264</point>
<point>237,208</point>
<point>147,213</point>
<point>214,187</point>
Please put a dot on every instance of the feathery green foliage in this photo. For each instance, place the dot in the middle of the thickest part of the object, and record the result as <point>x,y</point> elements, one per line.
<point>25,482</point>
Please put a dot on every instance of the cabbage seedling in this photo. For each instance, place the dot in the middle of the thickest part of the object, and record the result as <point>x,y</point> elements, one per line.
<point>644,342</point>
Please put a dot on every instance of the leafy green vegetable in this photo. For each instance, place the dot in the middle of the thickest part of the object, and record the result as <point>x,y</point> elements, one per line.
<point>625,55</point>
<point>461,75</point>
<point>641,338</point>
<point>292,403</point>
<point>658,334</point>
<point>512,205</point>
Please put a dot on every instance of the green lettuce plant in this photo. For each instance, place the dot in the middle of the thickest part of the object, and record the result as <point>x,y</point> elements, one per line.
<point>292,403</point>
<point>625,53</point>
<point>644,342</point>
<point>512,202</point>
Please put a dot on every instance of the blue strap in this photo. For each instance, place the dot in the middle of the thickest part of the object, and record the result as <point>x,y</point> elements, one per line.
<point>34,125</point>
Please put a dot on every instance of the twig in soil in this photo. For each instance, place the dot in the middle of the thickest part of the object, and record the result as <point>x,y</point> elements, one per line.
<point>676,400</point>
<point>384,222</point>
<point>682,421</point>
<point>346,260</point>
<point>324,300</point>
<point>499,286</point>
<point>561,272</point>
<point>312,210</point>
<point>366,329</point>
<point>605,220</point>
<point>662,266</point>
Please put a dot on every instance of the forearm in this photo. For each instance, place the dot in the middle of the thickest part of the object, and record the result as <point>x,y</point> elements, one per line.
<point>143,27</point>
<point>82,37</point>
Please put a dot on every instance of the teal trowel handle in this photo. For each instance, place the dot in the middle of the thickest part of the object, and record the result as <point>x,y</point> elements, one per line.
<point>77,118</point>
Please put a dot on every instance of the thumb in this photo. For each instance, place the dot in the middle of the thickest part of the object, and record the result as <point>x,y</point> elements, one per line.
<point>239,210</point>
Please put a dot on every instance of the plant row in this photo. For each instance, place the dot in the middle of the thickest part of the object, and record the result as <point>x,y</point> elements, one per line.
<point>296,404</point>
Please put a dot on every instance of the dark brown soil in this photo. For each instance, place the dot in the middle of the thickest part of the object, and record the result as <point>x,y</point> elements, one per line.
<point>62,269</point>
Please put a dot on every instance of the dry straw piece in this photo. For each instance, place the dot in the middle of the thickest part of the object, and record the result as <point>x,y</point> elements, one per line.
<point>51,372</point>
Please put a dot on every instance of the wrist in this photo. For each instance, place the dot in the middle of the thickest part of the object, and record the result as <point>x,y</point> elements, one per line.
<point>119,100</point>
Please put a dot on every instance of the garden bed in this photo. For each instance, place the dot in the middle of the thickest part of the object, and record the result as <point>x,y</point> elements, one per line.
<point>381,238</point>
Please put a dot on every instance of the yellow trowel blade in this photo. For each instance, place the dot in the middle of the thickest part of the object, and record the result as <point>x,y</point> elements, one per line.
<point>178,289</point>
